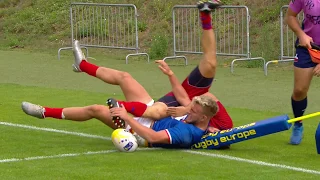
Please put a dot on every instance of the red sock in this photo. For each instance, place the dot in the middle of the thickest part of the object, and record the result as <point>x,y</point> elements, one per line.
<point>53,112</point>
<point>135,108</point>
<point>205,20</point>
<point>88,68</point>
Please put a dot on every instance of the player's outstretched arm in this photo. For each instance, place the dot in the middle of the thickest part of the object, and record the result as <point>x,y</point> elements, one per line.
<point>148,134</point>
<point>177,89</point>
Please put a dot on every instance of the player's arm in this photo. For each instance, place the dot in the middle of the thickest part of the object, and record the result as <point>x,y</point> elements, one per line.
<point>148,134</point>
<point>293,23</point>
<point>153,137</point>
<point>177,89</point>
<point>179,111</point>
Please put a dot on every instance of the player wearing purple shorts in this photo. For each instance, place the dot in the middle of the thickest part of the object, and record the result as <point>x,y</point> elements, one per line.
<point>304,68</point>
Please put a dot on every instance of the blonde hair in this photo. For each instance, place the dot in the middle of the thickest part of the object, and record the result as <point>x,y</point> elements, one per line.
<point>209,106</point>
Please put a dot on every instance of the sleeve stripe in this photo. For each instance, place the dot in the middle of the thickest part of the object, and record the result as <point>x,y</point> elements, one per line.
<point>169,136</point>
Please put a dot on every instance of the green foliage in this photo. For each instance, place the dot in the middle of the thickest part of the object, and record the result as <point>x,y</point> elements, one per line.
<point>228,2</point>
<point>24,22</point>
<point>37,18</point>
<point>12,41</point>
<point>159,46</point>
<point>8,3</point>
<point>269,14</point>
<point>130,26</point>
<point>142,26</point>
<point>267,11</point>
<point>269,42</point>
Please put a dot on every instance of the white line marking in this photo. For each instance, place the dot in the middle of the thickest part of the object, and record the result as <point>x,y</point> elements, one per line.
<point>54,156</point>
<point>55,130</point>
<point>108,138</point>
<point>255,162</point>
<point>67,155</point>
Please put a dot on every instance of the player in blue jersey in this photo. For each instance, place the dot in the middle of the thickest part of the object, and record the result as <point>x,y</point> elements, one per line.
<point>194,125</point>
<point>169,132</point>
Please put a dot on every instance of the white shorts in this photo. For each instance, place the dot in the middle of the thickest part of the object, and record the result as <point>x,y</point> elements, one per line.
<point>145,122</point>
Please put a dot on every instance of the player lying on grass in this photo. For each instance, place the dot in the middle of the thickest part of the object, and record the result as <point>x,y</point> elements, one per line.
<point>197,83</point>
<point>166,131</point>
<point>181,96</point>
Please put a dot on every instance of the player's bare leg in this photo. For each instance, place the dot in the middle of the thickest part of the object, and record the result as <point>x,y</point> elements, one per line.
<point>132,90</point>
<point>79,114</point>
<point>208,64</point>
<point>157,111</point>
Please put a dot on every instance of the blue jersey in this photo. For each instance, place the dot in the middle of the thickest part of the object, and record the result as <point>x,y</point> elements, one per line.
<point>181,135</point>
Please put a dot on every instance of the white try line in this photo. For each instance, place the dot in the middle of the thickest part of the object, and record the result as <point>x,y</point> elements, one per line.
<point>66,155</point>
<point>54,156</point>
<point>108,138</point>
<point>54,130</point>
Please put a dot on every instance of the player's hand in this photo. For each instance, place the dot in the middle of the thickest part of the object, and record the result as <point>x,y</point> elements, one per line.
<point>163,66</point>
<point>316,70</point>
<point>176,111</point>
<point>212,129</point>
<point>305,41</point>
<point>120,112</point>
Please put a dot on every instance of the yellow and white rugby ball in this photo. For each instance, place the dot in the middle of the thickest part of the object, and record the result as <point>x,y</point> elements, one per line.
<point>124,141</point>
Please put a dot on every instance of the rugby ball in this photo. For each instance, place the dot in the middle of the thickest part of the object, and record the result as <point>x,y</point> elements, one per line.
<point>124,141</point>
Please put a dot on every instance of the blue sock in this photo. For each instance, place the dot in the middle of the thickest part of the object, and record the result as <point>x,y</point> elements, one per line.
<point>298,108</point>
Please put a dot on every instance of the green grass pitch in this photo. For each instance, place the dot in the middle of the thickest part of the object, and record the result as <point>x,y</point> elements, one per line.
<point>55,149</point>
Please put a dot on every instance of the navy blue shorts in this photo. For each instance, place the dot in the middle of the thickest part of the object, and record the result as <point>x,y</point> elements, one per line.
<point>195,85</point>
<point>303,59</point>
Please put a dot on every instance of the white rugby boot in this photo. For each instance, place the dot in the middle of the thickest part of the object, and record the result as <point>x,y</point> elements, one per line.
<point>78,56</point>
<point>33,110</point>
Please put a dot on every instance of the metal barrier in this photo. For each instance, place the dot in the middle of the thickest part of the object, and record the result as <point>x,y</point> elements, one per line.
<point>105,26</point>
<point>287,40</point>
<point>231,30</point>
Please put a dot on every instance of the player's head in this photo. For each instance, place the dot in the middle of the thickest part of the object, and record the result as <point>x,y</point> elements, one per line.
<point>202,110</point>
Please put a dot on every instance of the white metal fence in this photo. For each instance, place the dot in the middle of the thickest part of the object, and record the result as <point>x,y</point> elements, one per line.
<point>105,26</point>
<point>231,29</point>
